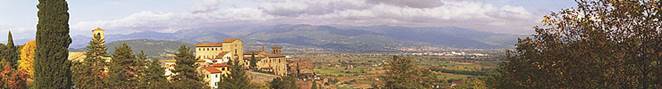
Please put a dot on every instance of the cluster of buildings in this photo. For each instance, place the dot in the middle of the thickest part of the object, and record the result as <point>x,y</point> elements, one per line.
<point>214,59</point>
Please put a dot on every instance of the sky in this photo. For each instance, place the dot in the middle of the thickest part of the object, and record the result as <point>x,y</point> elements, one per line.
<point>128,16</point>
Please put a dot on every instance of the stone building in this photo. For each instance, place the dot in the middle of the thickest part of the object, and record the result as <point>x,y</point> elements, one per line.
<point>273,62</point>
<point>214,57</point>
<point>218,52</point>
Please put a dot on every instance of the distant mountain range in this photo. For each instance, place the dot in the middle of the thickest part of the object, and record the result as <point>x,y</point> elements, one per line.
<point>332,38</point>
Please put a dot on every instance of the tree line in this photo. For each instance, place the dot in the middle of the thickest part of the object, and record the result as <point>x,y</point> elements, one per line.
<point>600,44</point>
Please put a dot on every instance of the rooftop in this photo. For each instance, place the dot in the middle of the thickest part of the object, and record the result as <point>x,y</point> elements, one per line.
<point>212,70</point>
<point>209,44</point>
<point>222,54</point>
<point>216,65</point>
<point>229,40</point>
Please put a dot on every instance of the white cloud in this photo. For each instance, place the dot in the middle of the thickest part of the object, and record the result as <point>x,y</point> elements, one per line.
<point>410,3</point>
<point>465,14</point>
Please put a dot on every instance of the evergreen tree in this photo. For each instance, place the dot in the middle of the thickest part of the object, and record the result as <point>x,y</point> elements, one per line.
<point>237,79</point>
<point>285,82</point>
<point>3,54</point>
<point>90,73</point>
<point>186,75</point>
<point>253,60</point>
<point>122,68</point>
<point>12,52</point>
<point>402,73</point>
<point>154,76</point>
<point>141,68</point>
<point>52,69</point>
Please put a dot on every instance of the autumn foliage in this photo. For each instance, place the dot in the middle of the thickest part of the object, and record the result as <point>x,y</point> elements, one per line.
<point>12,79</point>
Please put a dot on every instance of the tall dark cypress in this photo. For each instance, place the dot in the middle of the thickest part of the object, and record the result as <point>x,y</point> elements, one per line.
<point>12,52</point>
<point>52,69</point>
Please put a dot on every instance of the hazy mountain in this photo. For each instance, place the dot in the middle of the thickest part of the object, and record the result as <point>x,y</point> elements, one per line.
<point>150,47</point>
<point>335,38</point>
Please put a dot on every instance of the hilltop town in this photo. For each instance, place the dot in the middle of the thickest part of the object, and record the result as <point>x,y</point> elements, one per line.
<point>333,70</point>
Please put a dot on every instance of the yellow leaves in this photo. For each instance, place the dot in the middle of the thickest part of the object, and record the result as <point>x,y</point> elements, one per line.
<point>27,54</point>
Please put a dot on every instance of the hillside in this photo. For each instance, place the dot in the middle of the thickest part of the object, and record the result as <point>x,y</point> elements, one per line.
<point>150,47</point>
<point>333,38</point>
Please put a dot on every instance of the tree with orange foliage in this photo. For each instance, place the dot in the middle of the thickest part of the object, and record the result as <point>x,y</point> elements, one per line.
<point>13,79</point>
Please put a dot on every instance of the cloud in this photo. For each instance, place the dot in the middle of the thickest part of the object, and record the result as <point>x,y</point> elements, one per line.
<point>209,13</point>
<point>410,3</point>
<point>20,34</point>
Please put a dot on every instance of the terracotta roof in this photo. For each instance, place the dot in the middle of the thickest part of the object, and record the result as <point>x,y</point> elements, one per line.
<point>229,40</point>
<point>211,44</point>
<point>222,54</point>
<point>213,70</point>
<point>216,65</point>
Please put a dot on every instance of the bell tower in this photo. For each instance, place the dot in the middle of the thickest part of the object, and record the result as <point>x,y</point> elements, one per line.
<point>97,31</point>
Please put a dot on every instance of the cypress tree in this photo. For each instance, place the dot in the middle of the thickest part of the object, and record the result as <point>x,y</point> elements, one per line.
<point>186,75</point>
<point>237,79</point>
<point>52,69</point>
<point>90,73</point>
<point>122,68</point>
<point>12,52</point>
<point>253,60</point>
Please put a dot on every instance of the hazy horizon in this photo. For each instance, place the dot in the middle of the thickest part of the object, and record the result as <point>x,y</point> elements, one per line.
<point>128,16</point>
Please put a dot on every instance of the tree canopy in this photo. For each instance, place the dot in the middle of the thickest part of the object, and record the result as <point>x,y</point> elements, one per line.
<point>598,44</point>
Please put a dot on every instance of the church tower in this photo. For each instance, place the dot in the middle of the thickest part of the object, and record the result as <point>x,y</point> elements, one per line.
<point>97,31</point>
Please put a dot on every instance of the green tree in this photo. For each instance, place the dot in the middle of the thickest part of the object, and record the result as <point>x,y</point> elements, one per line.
<point>402,73</point>
<point>122,69</point>
<point>90,73</point>
<point>12,52</point>
<point>141,70</point>
<point>472,83</point>
<point>154,76</point>
<point>598,44</point>
<point>185,70</point>
<point>253,61</point>
<point>52,69</point>
<point>3,54</point>
<point>285,82</point>
<point>236,79</point>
